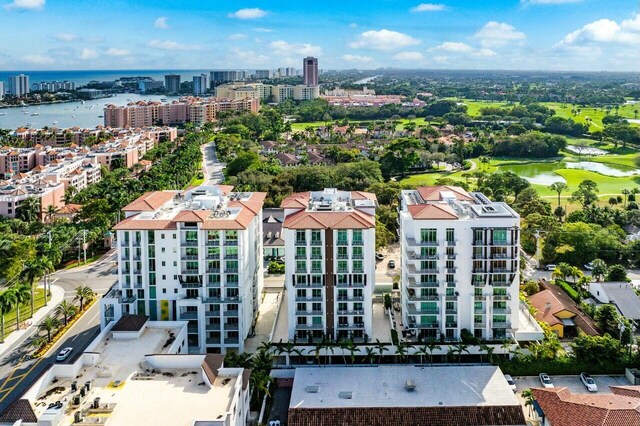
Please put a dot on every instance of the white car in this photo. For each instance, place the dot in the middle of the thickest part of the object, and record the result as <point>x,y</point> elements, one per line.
<point>550,267</point>
<point>589,266</point>
<point>588,382</point>
<point>64,354</point>
<point>512,384</point>
<point>545,380</point>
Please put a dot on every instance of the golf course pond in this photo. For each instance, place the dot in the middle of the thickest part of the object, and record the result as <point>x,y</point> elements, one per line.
<point>545,173</point>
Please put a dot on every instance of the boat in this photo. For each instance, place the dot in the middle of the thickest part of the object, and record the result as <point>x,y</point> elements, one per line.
<point>33,114</point>
<point>73,116</point>
<point>163,99</point>
<point>55,122</point>
<point>3,113</point>
<point>101,116</point>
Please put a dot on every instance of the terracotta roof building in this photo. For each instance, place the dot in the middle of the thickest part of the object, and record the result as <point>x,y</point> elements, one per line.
<point>460,264</point>
<point>329,239</point>
<point>194,256</point>
<point>405,396</point>
<point>561,407</point>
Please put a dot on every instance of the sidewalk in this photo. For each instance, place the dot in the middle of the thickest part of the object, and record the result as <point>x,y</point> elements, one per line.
<point>57,295</point>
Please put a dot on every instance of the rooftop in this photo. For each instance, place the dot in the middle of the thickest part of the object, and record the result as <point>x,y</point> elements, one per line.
<point>447,202</point>
<point>623,296</point>
<point>388,386</point>
<point>140,395</point>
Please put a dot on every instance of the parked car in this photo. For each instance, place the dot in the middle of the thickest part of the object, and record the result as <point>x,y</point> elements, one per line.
<point>391,264</point>
<point>379,256</point>
<point>512,383</point>
<point>64,354</point>
<point>545,380</point>
<point>274,423</point>
<point>589,266</point>
<point>588,382</point>
<point>550,267</point>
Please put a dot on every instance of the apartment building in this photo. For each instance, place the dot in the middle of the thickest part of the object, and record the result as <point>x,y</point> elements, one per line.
<point>200,84</point>
<point>460,264</point>
<point>1,90</point>
<point>19,85</point>
<point>310,71</point>
<point>276,93</point>
<point>145,114</point>
<point>14,192</point>
<point>172,83</point>
<point>192,256</point>
<point>16,160</point>
<point>329,239</point>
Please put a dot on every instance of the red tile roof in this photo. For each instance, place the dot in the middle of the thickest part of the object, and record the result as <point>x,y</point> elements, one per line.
<point>329,220</point>
<point>633,391</point>
<point>298,200</point>
<point>432,212</point>
<point>548,305</point>
<point>134,224</point>
<point>434,193</point>
<point>150,201</point>
<point>561,407</point>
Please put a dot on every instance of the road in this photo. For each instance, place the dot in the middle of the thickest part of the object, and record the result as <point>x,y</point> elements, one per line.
<point>212,168</point>
<point>17,370</point>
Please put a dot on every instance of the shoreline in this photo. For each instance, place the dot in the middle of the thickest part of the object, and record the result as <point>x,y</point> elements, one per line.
<point>2,106</point>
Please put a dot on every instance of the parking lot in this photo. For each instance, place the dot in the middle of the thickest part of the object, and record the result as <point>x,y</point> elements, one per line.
<point>573,383</point>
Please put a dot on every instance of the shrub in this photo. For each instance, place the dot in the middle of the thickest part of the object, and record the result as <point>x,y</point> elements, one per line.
<point>387,301</point>
<point>569,290</point>
<point>394,337</point>
<point>276,268</point>
<point>617,273</point>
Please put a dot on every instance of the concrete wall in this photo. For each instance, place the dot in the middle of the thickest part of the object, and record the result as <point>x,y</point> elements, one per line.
<point>168,362</point>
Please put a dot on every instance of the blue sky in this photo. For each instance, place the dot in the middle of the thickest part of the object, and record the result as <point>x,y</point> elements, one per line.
<point>462,34</point>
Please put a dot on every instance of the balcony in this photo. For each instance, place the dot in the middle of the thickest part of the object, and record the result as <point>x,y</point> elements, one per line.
<point>213,270</point>
<point>342,243</point>
<point>418,311</point>
<point>451,256</point>
<point>231,313</point>
<point>451,297</point>
<point>427,325</point>
<point>213,313</point>
<point>357,256</point>
<point>479,270</point>
<point>316,270</point>
<point>421,298</point>
<point>351,312</point>
<point>215,242</point>
<point>189,257</point>
<point>414,243</point>
<point>451,270</point>
<point>309,299</point>
<point>128,299</point>
<point>412,269</point>
<point>308,312</point>
<point>355,326</point>
<point>301,256</point>
<point>350,285</point>
<point>500,283</point>
<point>479,243</point>
<point>231,327</point>
<point>212,256</point>
<point>501,256</point>
<point>301,242</point>
<point>212,327</point>
<point>479,297</point>
<point>188,315</point>
<point>451,325</point>
<point>501,297</point>
<point>343,256</point>
<point>212,340</point>
<point>500,243</point>
<point>350,298</point>
<point>419,256</point>
<point>451,242</point>
<point>231,340</point>
<point>230,242</point>
<point>315,242</point>
<point>230,270</point>
<point>505,311</point>
<point>427,284</point>
<point>480,311</point>
<point>309,327</point>
<point>211,299</point>
<point>316,256</point>
<point>190,243</point>
<point>501,270</point>
<point>213,284</point>
<point>451,311</point>
<point>357,242</point>
<point>501,324</point>
<point>135,243</point>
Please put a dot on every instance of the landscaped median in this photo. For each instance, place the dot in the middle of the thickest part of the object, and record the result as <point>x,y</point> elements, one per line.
<point>60,332</point>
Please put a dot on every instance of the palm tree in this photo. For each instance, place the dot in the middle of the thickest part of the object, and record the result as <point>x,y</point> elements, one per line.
<point>50,212</point>
<point>85,293</point>
<point>286,348</point>
<point>66,310</point>
<point>298,353</point>
<point>352,348</point>
<point>483,348</point>
<point>382,348</point>
<point>29,209</point>
<point>22,295</point>
<point>317,350</point>
<point>626,193</point>
<point>431,346</point>
<point>48,268</point>
<point>49,324</point>
<point>7,303</point>
<point>529,398</point>
<point>32,271</point>
<point>370,355</point>
<point>460,348</point>
<point>559,188</point>
<point>38,342</point>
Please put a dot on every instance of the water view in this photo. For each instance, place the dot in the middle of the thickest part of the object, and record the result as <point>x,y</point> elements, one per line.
<point>545,173</point>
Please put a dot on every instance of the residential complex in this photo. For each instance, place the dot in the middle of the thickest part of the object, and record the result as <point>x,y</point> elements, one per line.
<point>186,110</point>
<point>149,85</point>
<point>75,135</point>
<point>330,264</point>
<point>136,372</point>
<point>369,100</point>
<point>191,256</point>
<point>1,90</point>
<point>276,93</point>
<point>219,77</point>
<point>172,83</point>
<point>18,85</point>
<point>53,86</point>
<point>460,264</point>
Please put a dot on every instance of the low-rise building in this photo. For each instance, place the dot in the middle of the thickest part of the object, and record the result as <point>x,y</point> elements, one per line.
<point>136,372</point>
<point>403,395</point>
<point>273,243</point>
<point>622,295</point>
<point>20,188</point>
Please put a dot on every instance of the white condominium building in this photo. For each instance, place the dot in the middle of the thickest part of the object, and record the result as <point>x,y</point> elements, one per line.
<point>460,264</point>
<point>192,256</point>
<point>330,264</point>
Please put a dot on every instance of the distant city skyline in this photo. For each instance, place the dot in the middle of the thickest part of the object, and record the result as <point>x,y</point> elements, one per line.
<point>578,35</point>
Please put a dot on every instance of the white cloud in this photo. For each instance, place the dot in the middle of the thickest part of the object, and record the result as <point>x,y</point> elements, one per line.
<point>353,25</point>
<point>428,7</point>
<point>527,2</point>
<point>237,36</point>
<point>408,56</point>
<point>247,57</point>
<point>496,34</point>
<point>263,30</point>
<point>112,51</point>
<point>452,46</point>
<point>38,59</point>
<point>161,23</point>
<point>66,36</point>
<point>249,13</point>
<point>606,31</point>
<point>441,59</point>
<point>357,58</point>
<point>26,4</point>
<point>383,40</point>
<point>87,54</point>
<point>283,48</point>
<point>462,48</point>
<point>172,45</point>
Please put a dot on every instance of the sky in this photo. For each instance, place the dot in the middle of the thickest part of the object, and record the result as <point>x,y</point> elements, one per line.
<point>578,35</point>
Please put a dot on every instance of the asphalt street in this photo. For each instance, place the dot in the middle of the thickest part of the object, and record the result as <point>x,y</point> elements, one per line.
<point>17,370</point>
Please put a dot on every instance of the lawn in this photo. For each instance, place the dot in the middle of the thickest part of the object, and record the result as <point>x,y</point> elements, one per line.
<point>25,312</point>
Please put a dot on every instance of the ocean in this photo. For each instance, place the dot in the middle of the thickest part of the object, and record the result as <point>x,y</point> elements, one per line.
<point>83,77</point>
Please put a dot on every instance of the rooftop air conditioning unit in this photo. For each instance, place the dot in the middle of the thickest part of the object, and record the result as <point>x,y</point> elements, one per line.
<point>410,385</point>
<point>311,389</point>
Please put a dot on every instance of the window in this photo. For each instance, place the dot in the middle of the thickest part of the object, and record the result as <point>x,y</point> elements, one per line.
<point>316,279</point>
<point>428,252</point>
<point>357,252</point>
<point>428,235</point>
<point>316,253</point>
<point>357,236</point>
<point>316,307</point>
<point>301,252</point>
<point>478,236</point>
<point>358,279</point>
<point>231,252</point>
<point>357,266</point>
<point>301,293</point>
<point>302,320</point>
<point>343,279</point>
<point>451,281</point>
<point>301,237</point>
<point>357,292</point>
<point>342,253</point>
<point>316,266</point>
<point>316,237</point>
<point>191,236</point>
<point>316,320</point>
<point>499,236</point>
<point>301,266</point>
<point>213,236</point>
<point>451,236</point>
<point>301,307</point>
<point>231,237</point>
<point>316,292</point>
<point>342,266</point>
<point>342,237</point>
<point>342,295</point>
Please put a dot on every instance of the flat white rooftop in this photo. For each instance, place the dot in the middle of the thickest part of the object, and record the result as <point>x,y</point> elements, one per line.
<point>386,386</point>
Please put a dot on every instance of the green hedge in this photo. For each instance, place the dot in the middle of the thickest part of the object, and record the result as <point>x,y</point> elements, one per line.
<point>559,366</point>
<point>573,293</point>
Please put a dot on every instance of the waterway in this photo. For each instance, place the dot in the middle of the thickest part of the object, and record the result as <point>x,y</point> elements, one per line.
<point>67,114</point>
